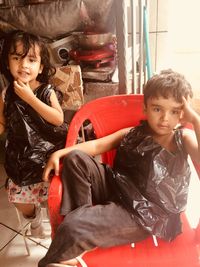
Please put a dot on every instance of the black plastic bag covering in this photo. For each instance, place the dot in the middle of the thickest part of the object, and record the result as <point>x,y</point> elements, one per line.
<point>153,182</point>
<point>30,139</point>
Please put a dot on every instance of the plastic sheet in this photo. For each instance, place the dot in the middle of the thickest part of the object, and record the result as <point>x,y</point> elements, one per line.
<point>153,182</point>
<point>60,18</point>
<point>30,139</point>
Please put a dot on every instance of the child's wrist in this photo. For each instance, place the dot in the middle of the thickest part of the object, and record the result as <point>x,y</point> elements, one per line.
<point>2,127</point>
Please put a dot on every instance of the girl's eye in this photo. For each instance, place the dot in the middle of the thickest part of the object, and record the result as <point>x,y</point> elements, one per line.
<point>32,60</point>
<point>15,58</point>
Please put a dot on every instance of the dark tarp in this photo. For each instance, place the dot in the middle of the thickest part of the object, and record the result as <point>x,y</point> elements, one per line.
<point>59,18</point>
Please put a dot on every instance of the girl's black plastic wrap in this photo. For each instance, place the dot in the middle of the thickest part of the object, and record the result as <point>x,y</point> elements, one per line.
<point>153,182</point>
<point>30,139</point>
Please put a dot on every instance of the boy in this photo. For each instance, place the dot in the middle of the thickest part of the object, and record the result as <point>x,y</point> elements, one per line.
<point>106,206</point>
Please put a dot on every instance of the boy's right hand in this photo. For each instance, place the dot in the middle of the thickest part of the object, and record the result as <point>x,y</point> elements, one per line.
<point>51,166</point>
<point>189,114</point>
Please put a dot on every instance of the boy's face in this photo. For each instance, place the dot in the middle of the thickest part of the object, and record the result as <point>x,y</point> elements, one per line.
<point>163,114</point>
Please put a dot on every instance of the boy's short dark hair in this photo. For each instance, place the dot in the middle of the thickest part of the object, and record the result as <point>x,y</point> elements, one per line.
<point>167,84</point>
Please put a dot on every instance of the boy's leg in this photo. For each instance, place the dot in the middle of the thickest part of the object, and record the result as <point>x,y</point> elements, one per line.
<point>89,227</point>
<point>84,182</point>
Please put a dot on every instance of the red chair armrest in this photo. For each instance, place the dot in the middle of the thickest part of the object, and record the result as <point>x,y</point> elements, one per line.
<point>54,202</point>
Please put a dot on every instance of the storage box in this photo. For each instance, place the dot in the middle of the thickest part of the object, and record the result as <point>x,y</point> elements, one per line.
<point>68,80</point>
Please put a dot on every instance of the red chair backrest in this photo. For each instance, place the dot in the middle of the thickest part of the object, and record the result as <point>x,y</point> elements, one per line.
<point>107,115</point>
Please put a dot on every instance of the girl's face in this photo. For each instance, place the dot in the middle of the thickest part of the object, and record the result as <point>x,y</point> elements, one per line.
<point>163,114</point>
<point>25,69</point>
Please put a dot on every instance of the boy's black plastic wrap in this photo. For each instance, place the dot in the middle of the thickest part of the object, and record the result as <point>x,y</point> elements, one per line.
<point>153,182</point>
<point>30,139</point>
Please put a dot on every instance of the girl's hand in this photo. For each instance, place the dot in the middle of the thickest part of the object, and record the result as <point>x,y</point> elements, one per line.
<point>188,114</point>
<point>23,90</point>
<point>2,128</point>
<point>51,166</point>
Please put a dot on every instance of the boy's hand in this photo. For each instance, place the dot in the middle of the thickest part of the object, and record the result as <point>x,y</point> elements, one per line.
<point>51,166</point>
<point>23,90</point>
<point>188,114</point>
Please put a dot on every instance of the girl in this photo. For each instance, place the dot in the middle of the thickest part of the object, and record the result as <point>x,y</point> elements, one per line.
<point>31,114</point>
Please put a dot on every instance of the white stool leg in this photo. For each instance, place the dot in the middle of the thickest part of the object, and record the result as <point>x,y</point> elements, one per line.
<point>23,231</point>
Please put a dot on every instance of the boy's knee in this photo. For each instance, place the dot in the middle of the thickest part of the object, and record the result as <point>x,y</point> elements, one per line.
<point>78,223</point>
<point>74,158</point>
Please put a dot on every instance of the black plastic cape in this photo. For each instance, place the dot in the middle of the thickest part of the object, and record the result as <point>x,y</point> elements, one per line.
<point>153,182</point>
<point>30,139</point>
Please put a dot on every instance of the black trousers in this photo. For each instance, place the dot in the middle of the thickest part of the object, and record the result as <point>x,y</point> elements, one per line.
<point>92,216</point>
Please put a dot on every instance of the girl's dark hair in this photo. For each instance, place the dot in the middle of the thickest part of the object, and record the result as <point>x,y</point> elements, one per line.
<point>28,40</point>
<point>167,84</point>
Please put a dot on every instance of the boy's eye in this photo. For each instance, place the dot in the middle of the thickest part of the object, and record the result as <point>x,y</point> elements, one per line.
<point>156,109</point>
<point>176,112</point>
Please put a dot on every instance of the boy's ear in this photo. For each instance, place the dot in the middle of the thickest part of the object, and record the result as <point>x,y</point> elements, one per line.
<point>181,119</point>
<point>144,108</point>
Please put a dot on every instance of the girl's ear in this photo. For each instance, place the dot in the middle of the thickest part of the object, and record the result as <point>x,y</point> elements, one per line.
<point>41,69</point>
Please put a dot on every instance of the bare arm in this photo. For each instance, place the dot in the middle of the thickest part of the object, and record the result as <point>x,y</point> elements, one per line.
<point>192,138</point>
<point>2,118</point>
<point>53,114</point>
<point>93,148</point>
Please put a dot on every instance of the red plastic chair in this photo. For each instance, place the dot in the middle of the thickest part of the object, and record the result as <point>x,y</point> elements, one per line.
<point>107,115</point>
